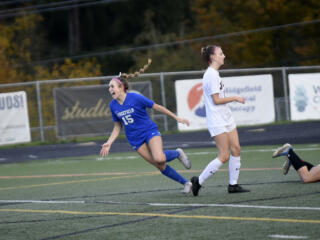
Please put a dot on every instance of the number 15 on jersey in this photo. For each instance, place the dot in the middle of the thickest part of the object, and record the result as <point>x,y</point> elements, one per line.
<point>127,119</point>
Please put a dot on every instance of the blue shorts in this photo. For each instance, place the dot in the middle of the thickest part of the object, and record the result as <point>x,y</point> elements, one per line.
<point>147,137</point>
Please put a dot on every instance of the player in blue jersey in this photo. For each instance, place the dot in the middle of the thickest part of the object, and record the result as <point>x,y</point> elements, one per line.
<point>130,110</point>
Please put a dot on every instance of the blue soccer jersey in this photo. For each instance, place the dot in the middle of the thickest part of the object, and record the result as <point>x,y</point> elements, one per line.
<point>134,116</point>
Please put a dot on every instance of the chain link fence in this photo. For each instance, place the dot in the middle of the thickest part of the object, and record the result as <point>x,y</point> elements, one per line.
<point>41,101</point>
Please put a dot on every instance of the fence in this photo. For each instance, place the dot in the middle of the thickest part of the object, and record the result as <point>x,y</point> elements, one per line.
<point>41,102</point>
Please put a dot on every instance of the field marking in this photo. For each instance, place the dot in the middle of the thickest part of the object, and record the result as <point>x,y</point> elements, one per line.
<point>124,175</point>
<point>41,201</point>
<point>76,181</point>
<point>68,175</point>
<point>137,214</point>
<point>232,206</point>
<point>287,236</point>
<point>121,173</point>
<point>164,204</point>
<point>110,157</point>
<point>273,149</point>
<point>135,157</point>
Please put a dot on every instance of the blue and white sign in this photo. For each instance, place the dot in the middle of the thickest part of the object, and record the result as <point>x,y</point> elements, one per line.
<point>304,96</point>
<point>258,93</point>
<point>256,89</point>
<point>14,125</point>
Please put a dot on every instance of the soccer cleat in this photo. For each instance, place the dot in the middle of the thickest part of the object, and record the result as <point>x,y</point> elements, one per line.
<point>184,159</point>
<point>187,187</point>
<point>195,186</point>
<point>286,166</point>
<point>236,189</point>
<point>282,151</point>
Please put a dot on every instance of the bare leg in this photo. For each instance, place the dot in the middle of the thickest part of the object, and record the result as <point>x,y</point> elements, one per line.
<point>309,176</point>
<point>235,160</point>
<point>154,153</point>
<point>234,143</point>
<point>223,145</point>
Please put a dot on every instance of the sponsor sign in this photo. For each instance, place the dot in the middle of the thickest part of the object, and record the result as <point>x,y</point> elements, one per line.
<point>256,89</point>
<point>14,125</point>
<point>304,96</point>
<point>84,110</point>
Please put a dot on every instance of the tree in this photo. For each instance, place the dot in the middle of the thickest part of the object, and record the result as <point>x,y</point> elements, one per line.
<point>20,45</point>
<point>17,41</point>
<point>269,47</point>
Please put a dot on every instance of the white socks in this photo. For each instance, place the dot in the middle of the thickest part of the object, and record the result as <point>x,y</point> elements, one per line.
<point>210,169</point>
<point>214,165</point>
<point>234,169</point>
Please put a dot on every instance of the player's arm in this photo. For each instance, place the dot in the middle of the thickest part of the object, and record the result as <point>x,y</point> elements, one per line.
<point>218,100</point>
<point>166,111</point>
<point>114,134</point>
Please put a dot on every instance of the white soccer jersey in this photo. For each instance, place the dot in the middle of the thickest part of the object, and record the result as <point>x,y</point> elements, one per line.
<point>216,115</point>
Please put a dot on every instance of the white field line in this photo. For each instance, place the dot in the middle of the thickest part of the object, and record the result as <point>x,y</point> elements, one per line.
<point>136,156</point>
<point>287,236</point>
<point>124,174</point>
<point>232,206</point>
<point>211,152</point>
<point>40,201</point>
<point>165,204</point>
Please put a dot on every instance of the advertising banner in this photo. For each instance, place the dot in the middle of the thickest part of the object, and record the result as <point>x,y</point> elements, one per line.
<point>14,125</point>
<point>304,96</point>
<point>84,110</point>
<point>256,89</point>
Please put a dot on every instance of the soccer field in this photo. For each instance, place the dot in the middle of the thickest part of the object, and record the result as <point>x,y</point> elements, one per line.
<point>123,197</point>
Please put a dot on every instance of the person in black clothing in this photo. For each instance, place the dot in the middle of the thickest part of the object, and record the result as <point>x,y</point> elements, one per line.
<point>307,172</point>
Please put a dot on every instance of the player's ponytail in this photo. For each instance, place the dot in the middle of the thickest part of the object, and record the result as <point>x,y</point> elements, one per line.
<point>122,79</point>
<point>137,73</point>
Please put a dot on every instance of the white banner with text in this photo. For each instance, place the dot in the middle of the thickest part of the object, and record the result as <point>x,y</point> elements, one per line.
<point>256,89</point>
<point>304,96</point>
<point>14,125</point>
<point>84,110</point>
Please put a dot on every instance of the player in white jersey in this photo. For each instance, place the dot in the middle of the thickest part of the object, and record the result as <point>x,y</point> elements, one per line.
<point>220,122</point>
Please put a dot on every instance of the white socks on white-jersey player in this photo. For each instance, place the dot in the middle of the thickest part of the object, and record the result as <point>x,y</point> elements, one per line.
<point>210,169</point>
<point>214,165</point>
<point>234,169</point>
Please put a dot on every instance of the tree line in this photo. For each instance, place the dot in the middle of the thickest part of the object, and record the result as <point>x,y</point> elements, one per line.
<point>119,36</point>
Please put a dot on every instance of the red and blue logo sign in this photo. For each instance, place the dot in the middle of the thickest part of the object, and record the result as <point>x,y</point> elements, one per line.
<point>194,100</point>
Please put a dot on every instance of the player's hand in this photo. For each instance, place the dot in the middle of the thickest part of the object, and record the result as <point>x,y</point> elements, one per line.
<point>105,149</point>
<point>183,121</point>
<point>241,100</point>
